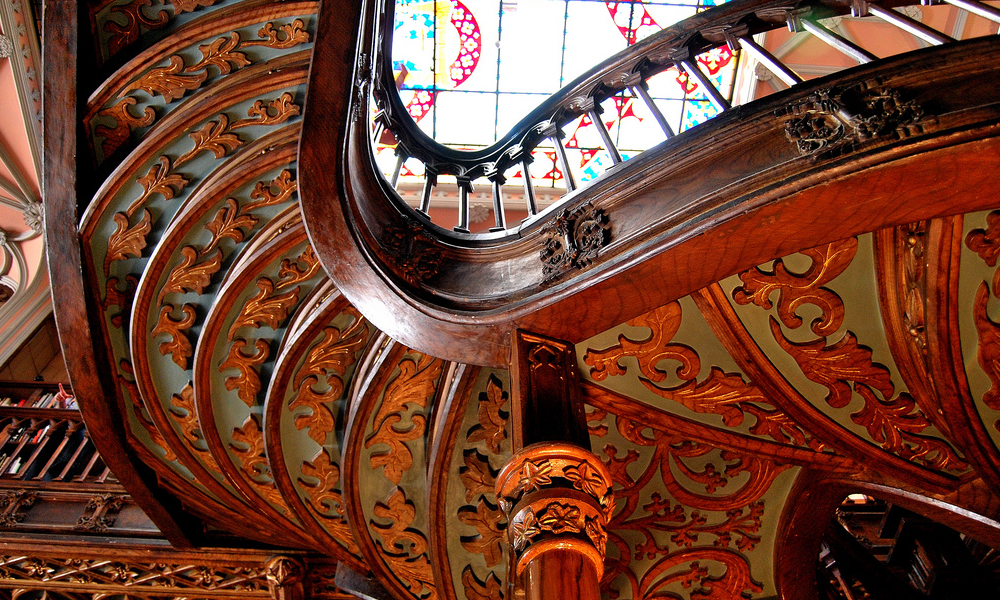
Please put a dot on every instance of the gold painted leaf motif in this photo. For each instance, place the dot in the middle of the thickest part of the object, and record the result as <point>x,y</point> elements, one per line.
<point>125,122</point>
<point>189,276</point>
<point>169,81</point>
<point>301,269</point>
<point>663,324</point>
<point>254,460</point>
<point>337,350</point>
<point>476,589</point>
<point>183,411</point>
<point>183,6</point>
<point>179,346</point>
<point>127,242</point>
<point>159,180</point>
<point>276,191</point>
<point>247,383</point>
<point>325,499</point>
<point>141,414</point>
<point>135,19</point>
<point>477,476</point>
<point>320,421</point>
<point>121,298</point>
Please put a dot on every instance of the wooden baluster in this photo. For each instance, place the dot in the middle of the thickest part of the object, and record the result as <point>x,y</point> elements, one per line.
<point>39,446</point>
<point>90,466</point>
<point>835,41</point>
<point>555,133</point>
<point>400,159</point>
<point>529,185</point>
<point>72,428</point>
<point>738,38</point>
<point>911,26</point>
<point>558,526</point>
<point>683,58</point>
<point>594,111</point>
<point>978,8</point>
<point>25,436</point>
<point>464,188</point>
<point>76,454</point>
<point>640,88</point>
<point>430,180</point>
<point>104,475</point>
<point>380,122</point>
<point>497,179</point>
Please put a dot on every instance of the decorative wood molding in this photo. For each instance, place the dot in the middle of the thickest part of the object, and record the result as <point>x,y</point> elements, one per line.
<point>573,239</point>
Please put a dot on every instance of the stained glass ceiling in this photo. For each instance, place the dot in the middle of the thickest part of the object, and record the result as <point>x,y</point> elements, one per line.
<point>468,70</point>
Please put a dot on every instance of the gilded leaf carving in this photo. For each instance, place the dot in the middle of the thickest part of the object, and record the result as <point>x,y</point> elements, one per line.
<point>989,346</point>
<point>413,387</point>
<point>191,276</point>
<point>121,298</point>
<point>492,427</point>
<point>142,416</point>
<point>178,346</point>
<point>274,112</point>
<point>183,411</point>
<point>222,54</point>
<point>302,268</point>
<point>265,308</point>
<point>214,137</point>
<point>253,459</point>
<point>126,241</point>
<point>404,548</point>
<point>336,351</point>
<point>986,242</point>
<point>135,19</point>
<point>229,222</point>
<point>169,82</point>
<point>159,180</point>
<point>489,540</point>
<point>247,383</point>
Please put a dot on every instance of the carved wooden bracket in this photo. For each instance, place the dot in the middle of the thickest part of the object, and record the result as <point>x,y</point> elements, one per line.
<point>573,240</point>
<point>835,121</point>
<point>103,508</point>
<point>12,504</point>
<point>413,251</point>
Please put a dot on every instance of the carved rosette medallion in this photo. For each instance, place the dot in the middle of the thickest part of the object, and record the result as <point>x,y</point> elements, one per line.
<point>556,496</point>
<point>835,121</point>
<point>412,251</point>
<point>573,240</point>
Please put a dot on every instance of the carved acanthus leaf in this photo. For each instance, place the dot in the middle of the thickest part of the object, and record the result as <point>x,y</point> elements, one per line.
<point>135,19</point>
<point>214,137</point>
<point>414,386</point>
<point>404,548</point>
<point>222,54</point>
<point>229,222</point>
<point>477,476</point>
<point>986,242</point>
<point>489,542</point>
<point>183,6</point>
<point>189,276</point>
<point>320,421</point>
<point>127,242</point>
<point>121,298</point>
<point>302,268</point>
<point>159,180</point>
<point>492,427</point>
<point>335,352</point>
<point>325,499</point>
<point>169,81</point>
<point>179,346</point>
<point>273,192</point>
<point>988,353</point>
<point>247,383</point>
<point>265,308</point>
<point>252,456</point>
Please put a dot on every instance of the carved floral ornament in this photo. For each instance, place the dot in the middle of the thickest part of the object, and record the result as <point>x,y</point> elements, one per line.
<point>573,240</point>
<point>556,496</point>
<point>833,121</point>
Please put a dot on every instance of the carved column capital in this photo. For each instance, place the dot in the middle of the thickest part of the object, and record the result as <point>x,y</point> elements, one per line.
<point>557,497</point>
<point>284,578</point>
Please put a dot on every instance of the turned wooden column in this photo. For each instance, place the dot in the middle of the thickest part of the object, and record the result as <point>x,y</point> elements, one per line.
<point>556,493</point>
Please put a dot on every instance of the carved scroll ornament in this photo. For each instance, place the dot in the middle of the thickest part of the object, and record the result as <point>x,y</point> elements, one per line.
<point>573,240</point>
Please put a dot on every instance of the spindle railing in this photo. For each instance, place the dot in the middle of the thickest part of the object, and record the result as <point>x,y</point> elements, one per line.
<point>733,24</point>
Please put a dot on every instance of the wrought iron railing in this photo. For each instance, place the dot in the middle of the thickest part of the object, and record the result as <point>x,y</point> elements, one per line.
<point>733,24</point>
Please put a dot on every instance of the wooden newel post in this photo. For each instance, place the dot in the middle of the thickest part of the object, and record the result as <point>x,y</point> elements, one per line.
<point>556,493</point>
